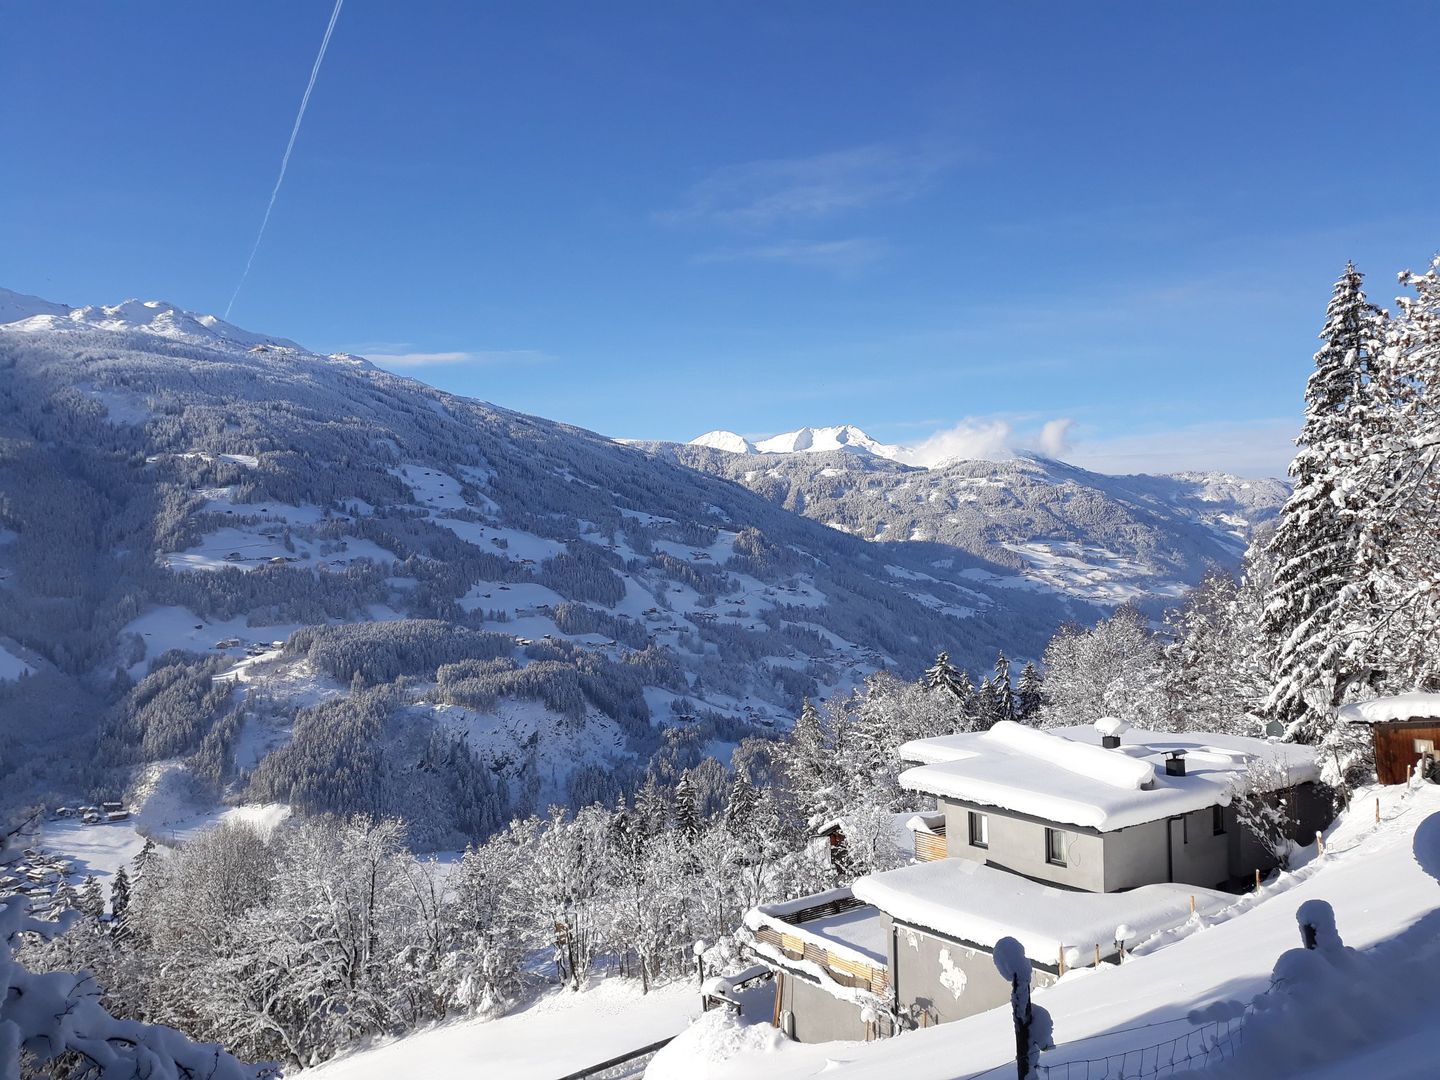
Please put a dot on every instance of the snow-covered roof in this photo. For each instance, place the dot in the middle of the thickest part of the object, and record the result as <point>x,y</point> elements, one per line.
<point>1390,709</point>
<point>980,904</point>
<point>1064,775</point>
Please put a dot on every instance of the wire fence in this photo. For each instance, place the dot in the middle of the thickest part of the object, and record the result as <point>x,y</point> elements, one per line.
<point>1201,1046</point>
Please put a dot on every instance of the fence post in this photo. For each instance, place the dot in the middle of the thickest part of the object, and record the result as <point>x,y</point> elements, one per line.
<point>1062,958</point>
<point>1257,877</point>
<point>1097,954</point>
<point>1034,1030</point>
<point>1377,809</point>
<point>1319,843</point>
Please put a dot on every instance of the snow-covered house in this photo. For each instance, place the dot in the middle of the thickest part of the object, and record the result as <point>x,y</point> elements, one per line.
<point>1405,729</point>
<point>1076,841</point>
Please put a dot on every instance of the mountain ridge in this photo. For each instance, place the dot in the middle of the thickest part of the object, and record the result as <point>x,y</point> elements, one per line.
<point>177,504</point>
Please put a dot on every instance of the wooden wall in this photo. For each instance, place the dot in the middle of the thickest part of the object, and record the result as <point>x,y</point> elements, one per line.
<point>1395,752</point>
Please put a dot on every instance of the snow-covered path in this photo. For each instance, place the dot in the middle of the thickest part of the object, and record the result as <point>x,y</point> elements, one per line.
<point>1380,881</point>
<point>559,1033</point>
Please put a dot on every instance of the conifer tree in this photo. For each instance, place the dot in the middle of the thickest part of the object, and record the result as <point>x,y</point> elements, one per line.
<point>1031,693</point>
<point>1004,690</point>
<point>651,813</point>
<point>92,900</point>
<point>120,903</point>
<point>687,813</point>
<point>1315,543</point>
<point>943,675</point>
<point>988,706</point>
<point>810,759</point>
<point>143,859</point>
<point>1394,598</point>
<point>740,810</point>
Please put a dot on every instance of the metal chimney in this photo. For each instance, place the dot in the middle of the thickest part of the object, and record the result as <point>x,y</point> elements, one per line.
<point>1175,763</point>
<point>1110,742</point>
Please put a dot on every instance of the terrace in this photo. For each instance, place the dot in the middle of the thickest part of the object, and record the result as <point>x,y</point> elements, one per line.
<point>831,936</point>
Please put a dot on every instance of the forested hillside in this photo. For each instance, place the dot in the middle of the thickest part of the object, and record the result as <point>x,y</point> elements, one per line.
<point>274,566</point>
<point>1107,539</point>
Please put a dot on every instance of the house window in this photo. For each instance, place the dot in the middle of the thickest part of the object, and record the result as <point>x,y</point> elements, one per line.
<point>1217,819</point>
<point>979,830</point>
<point>1057,844</point>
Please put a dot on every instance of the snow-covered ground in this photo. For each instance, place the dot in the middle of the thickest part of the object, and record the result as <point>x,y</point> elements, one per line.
<point>11,666</point>
<point>1380,880</point>
<point>559,1033</point>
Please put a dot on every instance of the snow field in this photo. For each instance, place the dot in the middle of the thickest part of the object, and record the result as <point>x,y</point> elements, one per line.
<point>11,666</point>
<point>558,1033</point>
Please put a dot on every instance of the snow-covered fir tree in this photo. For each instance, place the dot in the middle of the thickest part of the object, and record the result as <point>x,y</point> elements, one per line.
<point>120,903</point>
<point>1030,694</point>
<point>1004,688</point>
<point>687,811</point>
<point>1217,667</point>
<point>1315,543</point>
<point>943,675</point>
<point>989,705</point>
<point>91,901</point>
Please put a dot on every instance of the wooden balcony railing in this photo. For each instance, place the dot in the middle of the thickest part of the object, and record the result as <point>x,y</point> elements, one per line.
<point>846,972</point>
<point>931,846</point>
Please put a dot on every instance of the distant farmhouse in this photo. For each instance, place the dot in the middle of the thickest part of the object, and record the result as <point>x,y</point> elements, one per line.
<point>1076,841</point>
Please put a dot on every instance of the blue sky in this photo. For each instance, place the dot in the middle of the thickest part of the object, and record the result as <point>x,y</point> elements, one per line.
<point>657,219</point>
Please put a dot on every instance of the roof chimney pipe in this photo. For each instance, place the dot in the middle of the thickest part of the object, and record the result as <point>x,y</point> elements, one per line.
<point>1110,729</point>
<point>1175,763</point>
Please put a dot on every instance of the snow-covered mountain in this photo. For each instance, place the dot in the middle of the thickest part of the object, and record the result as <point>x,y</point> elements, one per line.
<point>31,314</point>
<point>806,440</point>
<point>474,589</point>
<point>1106,539</point>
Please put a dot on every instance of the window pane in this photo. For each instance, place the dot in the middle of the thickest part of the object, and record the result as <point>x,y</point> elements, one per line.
<point>1055,845</point>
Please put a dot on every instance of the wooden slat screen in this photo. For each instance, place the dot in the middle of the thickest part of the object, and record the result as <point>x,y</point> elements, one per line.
<point>931,846</point>
<point>845,972</point>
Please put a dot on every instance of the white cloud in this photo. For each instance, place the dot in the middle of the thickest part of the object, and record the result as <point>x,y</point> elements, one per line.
<point>991,438</point>
<point>439,359</point>
<point>1245,448</point>
<point>762,194</point>
<point>1055,437</point>
<point>841,256</point>
<point>980,439</point>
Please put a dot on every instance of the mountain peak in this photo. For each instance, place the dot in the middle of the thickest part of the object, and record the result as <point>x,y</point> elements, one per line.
<point>724,440</point>
<point>805,440</point>
<point>21,312</point>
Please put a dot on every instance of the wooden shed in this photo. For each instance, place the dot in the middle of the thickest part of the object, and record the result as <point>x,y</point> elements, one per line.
<point>1405,730</point>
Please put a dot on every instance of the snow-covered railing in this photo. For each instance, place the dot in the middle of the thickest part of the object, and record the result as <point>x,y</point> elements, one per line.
<point>929,832</point>
<point>777,932</point>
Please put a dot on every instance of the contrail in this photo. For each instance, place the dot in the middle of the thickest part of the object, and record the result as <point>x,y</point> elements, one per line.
<point>285,161</point>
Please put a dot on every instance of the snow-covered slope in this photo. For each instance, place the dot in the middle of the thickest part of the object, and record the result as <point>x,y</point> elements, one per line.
<point>16,306</point>
<point>1382,884</point>
<point>806,440</point>
<point>725,440</point>
<point>29,313</point>
<point>606,1020</point>
<point>219,490</point>
<point>1106,539</point>
<point>823,440</point>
